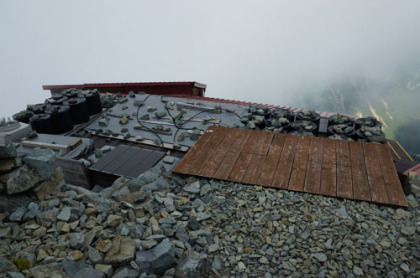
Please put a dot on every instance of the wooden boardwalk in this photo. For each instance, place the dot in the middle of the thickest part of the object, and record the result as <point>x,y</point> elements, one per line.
<point>344,169</point>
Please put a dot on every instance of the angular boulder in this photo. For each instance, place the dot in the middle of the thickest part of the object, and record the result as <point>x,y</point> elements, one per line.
<point>193,266</point>
<point>42,161</point>
<point>21,180</point>
<point>51,185</point>
<point>7,152</point>
<point>158,259</point>
<point>122,251</point>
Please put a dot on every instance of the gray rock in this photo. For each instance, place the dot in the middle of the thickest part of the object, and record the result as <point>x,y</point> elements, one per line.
<point>5,232</point>
<point>193,187</point>
<point>205,189</point>
<point>159,184</point>
<point>157,260</point>
<point>7,152</point>
<point>94,255</point>
<point>7,266</point>
<point>358,271</point>
<point>18,214</point>
<point>408,230</point>
<point>321,257</point>
<point>126,272</point>
<point>79,269</point>
<point>194,265</point>
<point>14,275</point>
<point>48,217</point>
<point>42,161</point>
<point>342,211</point>
<point>122,251</point>
<point>77,240</point>
<point>147,177</point>
<point>21,180</point>
<point>65,214</point>
<point>216,264</point>
<point>193,224</point>
<point>169,159</point>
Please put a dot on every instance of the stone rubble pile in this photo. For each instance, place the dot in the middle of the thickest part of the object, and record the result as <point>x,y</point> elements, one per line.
<point>164,225</point>
<point>136,228</point>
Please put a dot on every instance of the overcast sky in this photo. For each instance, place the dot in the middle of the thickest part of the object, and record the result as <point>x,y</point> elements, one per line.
<point>244,50</point>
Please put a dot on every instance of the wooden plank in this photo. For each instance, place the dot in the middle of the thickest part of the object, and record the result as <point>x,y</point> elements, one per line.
<point>240,167</point>
<point>378,191</point>
<point>213,163</point>
<point>226,166</point>
<point>238,144</point>
<point>361,190</point>
<point>344,182</point>
<point>284,168</point>
<point>393,186</point>
<point>253,142</point>
<point>313,172</point>
<point>220,142</point>
<point>265,143</point>
<point>254,169</point>
<point>131,153</point>
<point>33,144</point>
<point>343,154</point>
<point>189,159</point>
<point>329,168</point>
<point>272,160</point>
<point>298,174</point>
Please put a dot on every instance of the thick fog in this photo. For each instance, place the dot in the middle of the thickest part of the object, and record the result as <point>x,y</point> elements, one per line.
<point>262,51</point>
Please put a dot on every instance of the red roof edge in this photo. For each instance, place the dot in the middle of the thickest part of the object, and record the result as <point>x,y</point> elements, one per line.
<point>415,169</point>
<point>99,85</point>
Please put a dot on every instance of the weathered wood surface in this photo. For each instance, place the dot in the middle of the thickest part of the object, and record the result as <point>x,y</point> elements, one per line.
<point>351,170</point>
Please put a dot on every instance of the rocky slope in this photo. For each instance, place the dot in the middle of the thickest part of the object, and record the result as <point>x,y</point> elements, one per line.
<point>161,224</point>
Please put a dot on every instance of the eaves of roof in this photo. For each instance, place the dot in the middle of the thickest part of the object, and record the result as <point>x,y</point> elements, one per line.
<point>99,85</point>
<point>415,169</point>
<point>323,114</point>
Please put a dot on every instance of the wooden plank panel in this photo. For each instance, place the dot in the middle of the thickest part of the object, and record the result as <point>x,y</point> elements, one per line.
<point>298,174</point>
<point>213,163</point>
<point>230,137</point>
<point>393,186</point>
<point>254,169</point>
<point>378,191</point>
<point>185,164</point>
<point>265,143</point>
<point>361,190</point>
<point>328,180</point>
<point>284,168</point>
<point>313,171</point>
<point>240,167</point>
<point>344,182</point>
<point>188,166</point>
<point>329,155</point>
<point>226,166</point>
<point>329,168</point>
<point>217,149</point>
<point>343,154</point>
<point>253,141</point>
<point>272,160</point>
<point>315,165</point>
<point>242,136</point>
